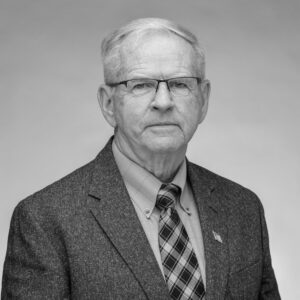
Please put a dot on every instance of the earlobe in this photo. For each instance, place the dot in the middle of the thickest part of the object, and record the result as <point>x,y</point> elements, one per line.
<point>106,104</point>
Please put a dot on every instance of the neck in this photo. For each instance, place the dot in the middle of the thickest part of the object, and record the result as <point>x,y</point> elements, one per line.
<point>163,166</point>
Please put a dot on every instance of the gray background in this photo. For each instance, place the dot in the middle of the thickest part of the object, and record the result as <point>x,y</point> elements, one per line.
<point>50,122</point>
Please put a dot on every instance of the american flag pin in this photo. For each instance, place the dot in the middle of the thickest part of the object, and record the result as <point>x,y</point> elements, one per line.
<point>217,237</point>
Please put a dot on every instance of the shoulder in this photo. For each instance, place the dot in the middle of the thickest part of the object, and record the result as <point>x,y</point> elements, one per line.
<point>59,199</point>
<point>69,193</point>
<point>229,194</point>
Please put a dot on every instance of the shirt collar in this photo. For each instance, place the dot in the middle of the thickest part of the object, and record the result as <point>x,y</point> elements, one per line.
<point>142,186</point>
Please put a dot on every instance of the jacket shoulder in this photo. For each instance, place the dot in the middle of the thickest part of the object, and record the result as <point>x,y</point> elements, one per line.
<point>228,192</point>
<point>68,195</point>
<point>63,197</point>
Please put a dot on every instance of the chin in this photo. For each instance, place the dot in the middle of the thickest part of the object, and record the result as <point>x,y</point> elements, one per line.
<point>164,145</point>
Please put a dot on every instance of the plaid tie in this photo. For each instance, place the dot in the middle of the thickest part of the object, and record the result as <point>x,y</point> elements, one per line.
<point>180,265</point>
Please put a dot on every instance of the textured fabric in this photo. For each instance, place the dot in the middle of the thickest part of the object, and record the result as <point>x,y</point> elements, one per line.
<point>143,187</point>
<point>181,269</point>
<point>80,238</point>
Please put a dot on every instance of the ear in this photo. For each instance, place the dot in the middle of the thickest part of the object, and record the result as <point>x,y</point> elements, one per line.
<point>205,92</point>
<point>106,104</point>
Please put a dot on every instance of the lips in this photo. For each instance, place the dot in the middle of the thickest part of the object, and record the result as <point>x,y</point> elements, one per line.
<point>162,124</point>
<point>163,127</point>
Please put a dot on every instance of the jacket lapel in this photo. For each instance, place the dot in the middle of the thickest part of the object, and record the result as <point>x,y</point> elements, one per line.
<point>214,230</point>
<point>111,206</point>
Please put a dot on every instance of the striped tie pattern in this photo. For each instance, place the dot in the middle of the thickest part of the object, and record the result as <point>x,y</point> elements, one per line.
<point>180,265</point>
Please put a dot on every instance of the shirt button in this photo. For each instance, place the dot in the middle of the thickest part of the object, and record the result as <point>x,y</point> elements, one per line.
<point>188,211</point>
<point>147,213</point>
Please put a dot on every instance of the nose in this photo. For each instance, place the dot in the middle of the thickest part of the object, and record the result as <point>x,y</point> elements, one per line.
<point>162,99</point>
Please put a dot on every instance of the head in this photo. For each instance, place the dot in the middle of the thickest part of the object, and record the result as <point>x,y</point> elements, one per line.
<point>159,122</point>
<point>112,43</point>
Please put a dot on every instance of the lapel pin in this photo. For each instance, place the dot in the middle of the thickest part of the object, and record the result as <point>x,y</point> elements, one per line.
<point>217,237</point>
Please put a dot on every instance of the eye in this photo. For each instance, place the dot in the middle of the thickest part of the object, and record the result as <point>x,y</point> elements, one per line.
<point>142,85</point>
<point>178,84</point>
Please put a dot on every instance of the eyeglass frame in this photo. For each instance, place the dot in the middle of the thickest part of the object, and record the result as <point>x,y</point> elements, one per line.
<point>199,81</point>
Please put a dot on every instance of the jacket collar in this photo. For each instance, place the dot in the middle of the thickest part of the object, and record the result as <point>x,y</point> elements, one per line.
<point>110,204</point>
<point>214,229</point>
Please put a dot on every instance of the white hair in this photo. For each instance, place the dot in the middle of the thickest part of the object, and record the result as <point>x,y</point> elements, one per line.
<point>111,44</point>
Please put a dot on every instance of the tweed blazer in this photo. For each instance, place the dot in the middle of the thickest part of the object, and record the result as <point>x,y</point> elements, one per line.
<point>80,238</point>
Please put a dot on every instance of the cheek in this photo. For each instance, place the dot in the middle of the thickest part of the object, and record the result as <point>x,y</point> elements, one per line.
<point>192,115</point>
<point>128,116</point>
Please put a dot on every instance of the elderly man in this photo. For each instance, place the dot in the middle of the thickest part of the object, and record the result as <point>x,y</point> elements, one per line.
<point>140,221</point>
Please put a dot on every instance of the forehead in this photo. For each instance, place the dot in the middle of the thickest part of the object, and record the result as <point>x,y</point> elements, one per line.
<point>159,54</point>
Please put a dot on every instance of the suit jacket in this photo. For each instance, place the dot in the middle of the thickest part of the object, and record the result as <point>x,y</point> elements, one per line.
<point>80,238</point>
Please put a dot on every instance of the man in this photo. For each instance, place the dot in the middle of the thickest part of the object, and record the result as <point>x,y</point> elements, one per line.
<point>140,221</point>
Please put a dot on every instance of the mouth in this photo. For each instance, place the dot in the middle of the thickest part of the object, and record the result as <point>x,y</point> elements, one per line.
<point>162,124</point>
<point>163,128</point>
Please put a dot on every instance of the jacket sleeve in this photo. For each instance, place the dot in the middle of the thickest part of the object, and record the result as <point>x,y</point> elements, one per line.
<point>33,268</point>
<point>269,288</point>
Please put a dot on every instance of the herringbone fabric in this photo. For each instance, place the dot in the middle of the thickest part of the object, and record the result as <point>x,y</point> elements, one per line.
<point>180,265</point>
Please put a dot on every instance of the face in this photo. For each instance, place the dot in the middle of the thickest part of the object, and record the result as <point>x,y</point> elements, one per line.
<point>160,124</point>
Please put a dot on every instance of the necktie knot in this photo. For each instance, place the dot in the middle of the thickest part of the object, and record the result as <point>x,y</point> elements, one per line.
<point>167,196</point>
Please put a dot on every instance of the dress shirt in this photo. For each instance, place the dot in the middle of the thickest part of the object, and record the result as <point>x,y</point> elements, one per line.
<point>143,188</point>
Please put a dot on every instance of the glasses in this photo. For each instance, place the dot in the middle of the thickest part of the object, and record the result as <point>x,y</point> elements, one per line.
<point>180,86</point>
